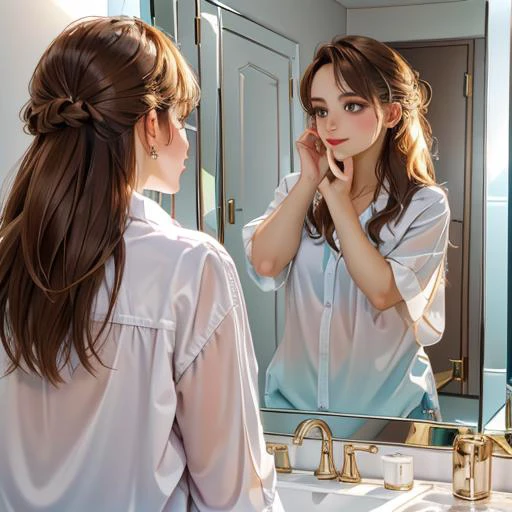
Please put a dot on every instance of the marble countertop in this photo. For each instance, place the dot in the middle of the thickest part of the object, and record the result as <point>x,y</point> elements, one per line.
<point>439,498</point>
<point>370,495</point>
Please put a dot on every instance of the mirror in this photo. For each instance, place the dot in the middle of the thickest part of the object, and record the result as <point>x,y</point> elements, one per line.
<point>250,58</point>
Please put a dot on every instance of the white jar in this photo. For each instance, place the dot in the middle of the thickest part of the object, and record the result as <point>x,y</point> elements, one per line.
<point>397,472</point>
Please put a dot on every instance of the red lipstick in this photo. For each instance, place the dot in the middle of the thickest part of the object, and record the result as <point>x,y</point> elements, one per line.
<point>335,142</point>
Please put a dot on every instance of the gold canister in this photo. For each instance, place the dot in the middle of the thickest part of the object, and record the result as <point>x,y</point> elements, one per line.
<point>472,465</point>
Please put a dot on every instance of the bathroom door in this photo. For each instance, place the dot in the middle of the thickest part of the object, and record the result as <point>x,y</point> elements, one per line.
<point>448,68</point>
<point>257,153</point>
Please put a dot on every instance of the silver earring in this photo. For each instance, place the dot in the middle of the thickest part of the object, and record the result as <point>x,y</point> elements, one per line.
<point>153,154</point>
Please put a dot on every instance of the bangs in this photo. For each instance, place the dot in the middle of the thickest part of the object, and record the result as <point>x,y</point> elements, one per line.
<point>352,73</point>
<point>353,76</point>
<point>174,82</point>
<point>187,93</point>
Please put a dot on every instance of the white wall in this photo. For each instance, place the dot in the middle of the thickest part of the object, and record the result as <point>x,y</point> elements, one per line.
<point>26,29</point>
<point>126,7</point>
<point>418,22</point>
<point>307,22</point>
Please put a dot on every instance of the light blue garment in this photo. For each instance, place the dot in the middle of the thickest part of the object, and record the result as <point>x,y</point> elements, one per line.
<point>338,352</point>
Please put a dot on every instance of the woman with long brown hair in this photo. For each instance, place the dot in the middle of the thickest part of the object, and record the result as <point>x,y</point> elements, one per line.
<point>359,236</point>
<point>128,373</point>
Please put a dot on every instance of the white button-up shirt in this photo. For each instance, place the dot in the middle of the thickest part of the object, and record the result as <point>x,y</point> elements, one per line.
<point>171,421</point>
<point>338,352</point>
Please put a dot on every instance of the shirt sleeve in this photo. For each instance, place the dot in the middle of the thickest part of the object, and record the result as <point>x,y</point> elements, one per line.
<point>217,403</point>
<point>264,282</point>
<point>417,258</point>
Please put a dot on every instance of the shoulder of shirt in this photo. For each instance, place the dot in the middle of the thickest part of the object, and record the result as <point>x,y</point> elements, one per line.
<point>168,230</point>
<point>431,195</point>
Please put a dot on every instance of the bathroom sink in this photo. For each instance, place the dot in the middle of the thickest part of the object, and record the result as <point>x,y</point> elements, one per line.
<point>300,499</point>
<point>303,491</point>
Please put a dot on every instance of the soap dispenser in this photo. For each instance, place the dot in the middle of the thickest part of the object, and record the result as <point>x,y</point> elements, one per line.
<point>472,461</point>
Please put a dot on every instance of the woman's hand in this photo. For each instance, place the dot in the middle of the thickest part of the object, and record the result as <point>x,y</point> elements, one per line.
<point>313,158</point>
<point>342,184</point>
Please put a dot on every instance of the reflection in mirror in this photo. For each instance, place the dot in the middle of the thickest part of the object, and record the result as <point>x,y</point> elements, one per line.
<point>210,121</point>
<point>358,239</point>
<point>251,116</point>
<point>287,384</point>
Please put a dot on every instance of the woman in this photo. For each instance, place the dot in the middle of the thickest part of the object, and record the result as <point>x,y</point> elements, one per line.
<point>129,373</point>
<point>360,238</point>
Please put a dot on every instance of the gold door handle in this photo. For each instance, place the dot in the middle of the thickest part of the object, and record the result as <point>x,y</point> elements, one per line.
<point>231,211</point>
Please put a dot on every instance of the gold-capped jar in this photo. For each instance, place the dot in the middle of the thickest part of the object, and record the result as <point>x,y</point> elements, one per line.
<point>472,465</point>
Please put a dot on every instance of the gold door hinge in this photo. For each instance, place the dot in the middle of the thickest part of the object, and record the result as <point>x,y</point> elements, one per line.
<point>458,369</point>
<point>290,86</point>
<point>508,410</point>
<point>231,211</point>
<point>457,373</point>
<point>468,85</point>
<point>197,30</point>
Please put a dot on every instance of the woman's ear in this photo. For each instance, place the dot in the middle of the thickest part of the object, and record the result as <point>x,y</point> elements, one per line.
<point>147,130</point>
<point>393,114</point>
<point>151,127</point>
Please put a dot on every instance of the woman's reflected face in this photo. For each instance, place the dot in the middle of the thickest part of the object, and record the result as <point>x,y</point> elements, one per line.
<point>346,122</point>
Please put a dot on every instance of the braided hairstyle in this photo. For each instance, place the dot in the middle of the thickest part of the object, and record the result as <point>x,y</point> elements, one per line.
<point>57,113</point>
<point>67,211</point>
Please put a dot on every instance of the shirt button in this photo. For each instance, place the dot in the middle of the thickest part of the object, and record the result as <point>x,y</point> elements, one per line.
<point>327,304</point>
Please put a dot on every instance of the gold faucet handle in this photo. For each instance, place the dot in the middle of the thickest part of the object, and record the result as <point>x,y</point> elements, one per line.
<point>350,472</point>
<point>281,457</point>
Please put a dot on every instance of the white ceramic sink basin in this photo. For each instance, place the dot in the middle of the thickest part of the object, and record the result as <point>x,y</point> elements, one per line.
<point>302,500</point>
<point>301,491</point>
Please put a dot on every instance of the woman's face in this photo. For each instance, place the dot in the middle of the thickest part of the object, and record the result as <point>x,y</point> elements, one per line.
<point>345,122</point>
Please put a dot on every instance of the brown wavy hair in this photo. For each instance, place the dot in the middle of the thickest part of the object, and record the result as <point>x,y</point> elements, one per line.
<point>67,211</point>
<point>380,75</point>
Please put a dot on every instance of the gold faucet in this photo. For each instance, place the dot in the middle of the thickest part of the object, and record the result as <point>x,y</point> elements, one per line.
<point>326,469</point>
<point>350,473</point>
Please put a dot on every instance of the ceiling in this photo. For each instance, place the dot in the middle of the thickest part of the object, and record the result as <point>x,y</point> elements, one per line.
<point>364,4</point>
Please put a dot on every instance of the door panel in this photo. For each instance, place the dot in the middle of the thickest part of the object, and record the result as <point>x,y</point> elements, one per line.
<point>256,138</point>
<point>444,68</point>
